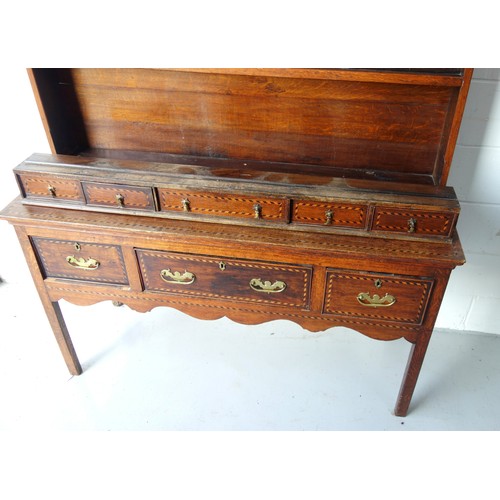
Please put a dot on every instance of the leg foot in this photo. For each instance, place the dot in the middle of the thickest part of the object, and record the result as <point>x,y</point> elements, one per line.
<point>410,377</point>
<point>52,309</point>
<point>61,334</point>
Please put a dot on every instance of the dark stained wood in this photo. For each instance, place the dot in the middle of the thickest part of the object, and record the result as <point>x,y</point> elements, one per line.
<point>386,122</point>
<point>272,123</point>
<point>51,187</point>
<point>413,221</point>
<point>410,261</point>
<point>59,109</point>
<point>52,309</point>
<point>381,209</point>
<point>329,213</point>
<point>40,94</point>
<point>419,348</point>
<point>218,172</point>
<point>452,127</point>
<point>409,304</point>
<point>420,77</point>
<point>53,255</point>
<point>225,205</point>
<point>230,166</point>
<point>202,247</point>
<point>295,83</point>
<point>312,195</point>
<point>206,239</point>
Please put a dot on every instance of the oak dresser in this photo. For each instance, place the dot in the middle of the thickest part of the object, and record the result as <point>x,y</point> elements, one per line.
<point>313,195</point>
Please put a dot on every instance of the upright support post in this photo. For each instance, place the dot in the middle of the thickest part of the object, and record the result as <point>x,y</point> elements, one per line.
<point>52,309</point>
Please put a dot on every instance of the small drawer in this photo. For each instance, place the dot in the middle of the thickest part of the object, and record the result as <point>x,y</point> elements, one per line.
<point>219,278</point>
<point>81,261</point>
<point>329,214</point>
<point>413,222</point>
<point>223,205</point>
<point>119,195</point>
<point>54,188</point>
<point>384,297</point>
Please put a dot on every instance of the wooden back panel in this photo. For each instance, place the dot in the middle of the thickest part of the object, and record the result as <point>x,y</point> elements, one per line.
<point>365,122</point>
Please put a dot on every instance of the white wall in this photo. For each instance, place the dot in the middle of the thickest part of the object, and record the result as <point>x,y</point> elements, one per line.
<point>472,300</point>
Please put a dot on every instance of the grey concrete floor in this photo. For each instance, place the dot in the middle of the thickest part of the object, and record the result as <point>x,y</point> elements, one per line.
<point>164,370</point>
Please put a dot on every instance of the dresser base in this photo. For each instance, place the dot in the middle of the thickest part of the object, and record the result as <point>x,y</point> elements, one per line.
<point>383,289</point>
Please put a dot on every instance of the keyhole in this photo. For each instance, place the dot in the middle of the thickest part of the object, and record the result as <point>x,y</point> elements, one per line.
<point>378,283</point>
<point>77,247</point>
<point>222,266</point>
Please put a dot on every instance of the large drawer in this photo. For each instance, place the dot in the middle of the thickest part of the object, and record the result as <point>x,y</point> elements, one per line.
<point>232,279</point>
<point>81,260</point>
<point>382,297</point>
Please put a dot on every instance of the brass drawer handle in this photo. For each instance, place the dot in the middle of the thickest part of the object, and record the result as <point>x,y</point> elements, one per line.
<point>412,225</point>
<point>81,263</point>
<point>120,200</point>
<point>257,285</point>
<point>376,301</point>
<point>329,217</point>
<point>186,278</point>
<point>186,205</point>
<point>257,211</point>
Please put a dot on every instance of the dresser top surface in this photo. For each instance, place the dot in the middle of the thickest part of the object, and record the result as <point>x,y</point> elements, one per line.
<point>208,235</point>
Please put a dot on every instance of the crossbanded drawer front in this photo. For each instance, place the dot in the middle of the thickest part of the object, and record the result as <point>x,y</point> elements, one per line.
<point>329,214</point>
<point>80,260</point>
<point>211,277</point>
<point>121,196</point>
<point>381,297</point>
<point>51,188</point>
<point>413,222</point>
<point>223,205</point>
